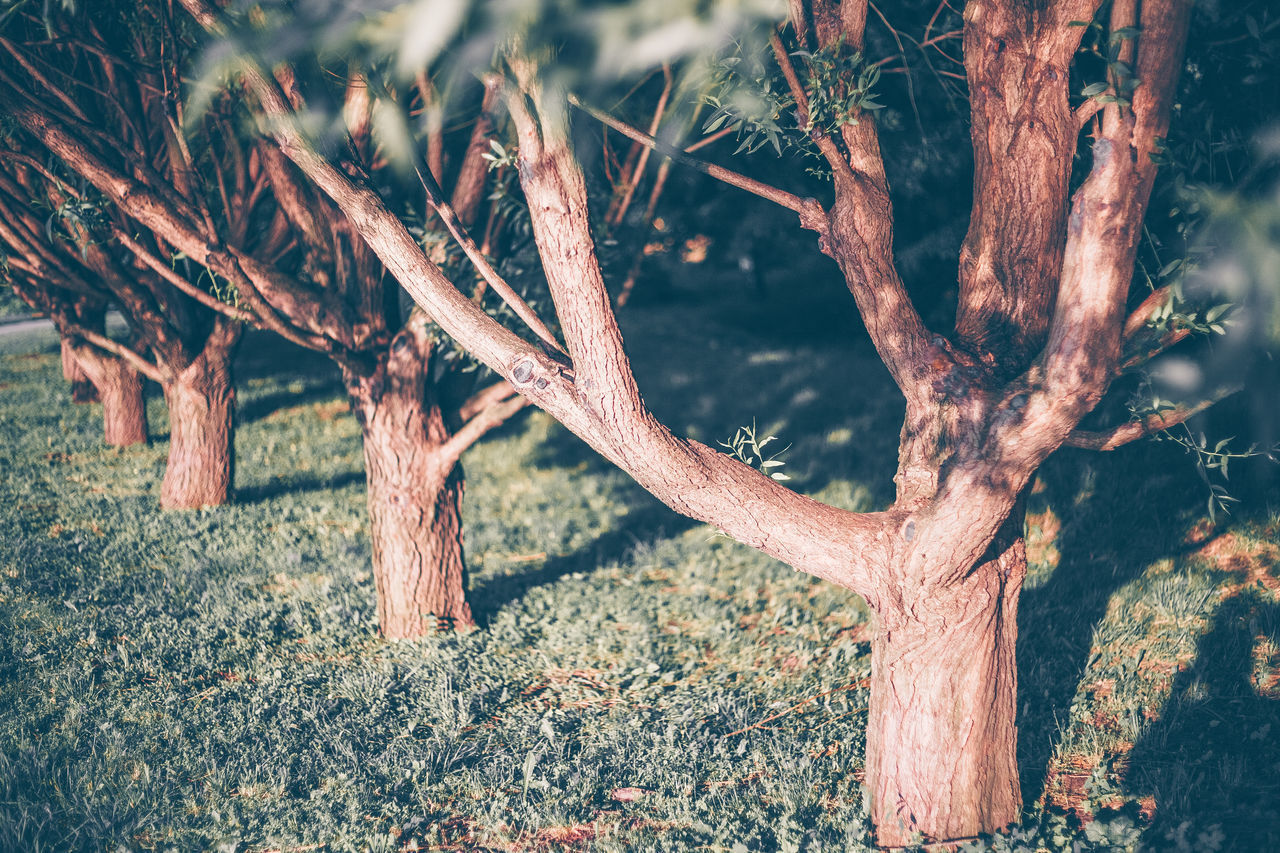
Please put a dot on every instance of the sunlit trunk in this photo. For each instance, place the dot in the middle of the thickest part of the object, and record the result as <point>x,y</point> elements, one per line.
<point>942,738</point>
<point>414,497</point>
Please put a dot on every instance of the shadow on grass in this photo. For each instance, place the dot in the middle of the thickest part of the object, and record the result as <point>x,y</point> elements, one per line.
<point>1119,513</point>
<point>1212,760</point>
<point>276,488</point>
<point>647,521</point>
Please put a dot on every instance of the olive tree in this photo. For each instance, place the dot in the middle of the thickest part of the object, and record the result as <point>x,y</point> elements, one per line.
<point>1041,331</point>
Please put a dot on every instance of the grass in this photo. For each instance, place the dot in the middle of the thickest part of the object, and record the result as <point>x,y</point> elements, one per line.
<point>212,679</point>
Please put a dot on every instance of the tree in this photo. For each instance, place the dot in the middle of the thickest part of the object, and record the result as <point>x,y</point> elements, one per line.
<point>278,254</point>
<point>1041,331</point>
<point>90,248</point>
<point>63,285</point>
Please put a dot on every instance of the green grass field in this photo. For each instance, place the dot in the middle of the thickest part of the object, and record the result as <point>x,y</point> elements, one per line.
<point>213,679</point>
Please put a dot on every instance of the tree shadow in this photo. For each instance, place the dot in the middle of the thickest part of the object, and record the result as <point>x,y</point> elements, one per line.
<point>1212,760</point>
<point>296,485</point>
<point>1118,513</point>
<point>647,521</point>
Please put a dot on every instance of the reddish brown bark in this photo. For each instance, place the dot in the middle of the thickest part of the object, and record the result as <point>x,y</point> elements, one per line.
<point>414,493</point>
<point>124,410</point>
<point>201,402</point>
<point>941,758</point>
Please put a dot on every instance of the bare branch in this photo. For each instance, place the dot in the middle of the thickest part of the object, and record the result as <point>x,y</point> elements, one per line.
<point>631,181</point>
<point>1134,430</point>
<point>493,415</point>
<point>180,282</point>
<point>138,363</point>
<point>811,213</point>
<point>435,197</point>
<point>488,396</point>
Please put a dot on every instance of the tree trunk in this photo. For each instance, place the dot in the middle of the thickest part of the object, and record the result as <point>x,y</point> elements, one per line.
<point>124,410</point>
<point>415,496</point>
<point>82,388</point>
<point>201,404</point>
<point>941,759</point>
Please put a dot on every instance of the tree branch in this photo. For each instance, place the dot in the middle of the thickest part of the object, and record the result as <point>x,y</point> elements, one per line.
<point>834,544</point>
<point>1134,430</point>
<point>488,396</point>
<point>102,342</point>
<point>435,197</point>
<point>180,282</point>
<point>812,215</point>
<point>493,415</point>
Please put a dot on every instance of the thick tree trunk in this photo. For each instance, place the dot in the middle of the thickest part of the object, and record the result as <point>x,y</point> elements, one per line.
<point>124,410</point>
<point>82,388</point>
<point>414,494</point>
<point>941,758</point>
<point>201,404</point>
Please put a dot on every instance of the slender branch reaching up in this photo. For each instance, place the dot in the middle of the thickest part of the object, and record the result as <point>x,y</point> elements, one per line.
<point>435,197</point>
<point>1134,430</point>
<point>619,210</point>
<point>812,215</point>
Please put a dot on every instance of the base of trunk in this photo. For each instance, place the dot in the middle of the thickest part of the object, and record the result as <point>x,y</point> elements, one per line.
<point>124,408</point>
<point>942,735</point>
<point>418,563</point>
<point>201,407</point>
<point>119,387</point>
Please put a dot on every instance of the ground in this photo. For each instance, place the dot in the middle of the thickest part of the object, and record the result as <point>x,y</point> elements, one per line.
<point>213,679</point>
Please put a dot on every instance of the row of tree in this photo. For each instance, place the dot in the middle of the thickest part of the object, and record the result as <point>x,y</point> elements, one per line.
<point>195,228</point>
<point>298,200</point>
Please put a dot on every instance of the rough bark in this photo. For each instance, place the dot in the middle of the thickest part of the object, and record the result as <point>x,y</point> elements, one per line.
<point>118,385</point>
<point>1038,341</point>
<point>201,402</point>
<point>414,493</point>
<point>941,759</point>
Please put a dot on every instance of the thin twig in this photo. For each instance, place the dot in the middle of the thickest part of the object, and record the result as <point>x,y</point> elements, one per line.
<point>808,208</point>
<point>1155,422</point>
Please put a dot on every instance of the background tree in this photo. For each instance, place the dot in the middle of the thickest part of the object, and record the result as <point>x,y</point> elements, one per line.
<point>105,73</point>
<point>280,255</point>
<point>56,279</point>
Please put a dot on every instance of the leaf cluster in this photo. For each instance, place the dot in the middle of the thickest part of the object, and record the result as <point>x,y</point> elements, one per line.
<point>747,448</point>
